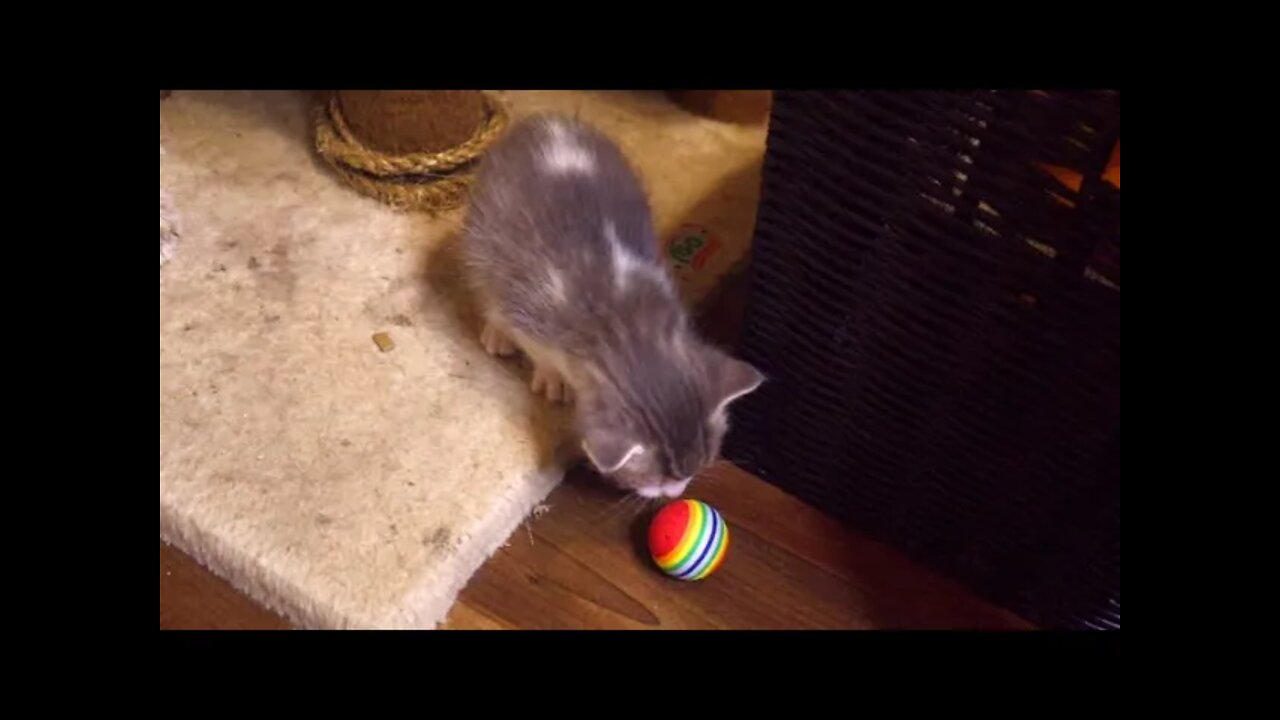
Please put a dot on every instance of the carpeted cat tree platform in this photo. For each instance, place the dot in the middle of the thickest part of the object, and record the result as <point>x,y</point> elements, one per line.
<point>333,439</point>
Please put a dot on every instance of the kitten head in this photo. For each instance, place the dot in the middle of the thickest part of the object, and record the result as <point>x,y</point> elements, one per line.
<point>656,415</point>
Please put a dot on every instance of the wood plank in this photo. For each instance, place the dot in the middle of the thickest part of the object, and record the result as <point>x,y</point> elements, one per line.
<point>583,565</point>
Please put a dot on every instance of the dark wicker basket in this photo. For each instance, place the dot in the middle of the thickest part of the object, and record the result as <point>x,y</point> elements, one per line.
<point>939,317</point>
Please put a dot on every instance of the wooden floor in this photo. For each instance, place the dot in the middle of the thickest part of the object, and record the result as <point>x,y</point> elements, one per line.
<point>582,565</point>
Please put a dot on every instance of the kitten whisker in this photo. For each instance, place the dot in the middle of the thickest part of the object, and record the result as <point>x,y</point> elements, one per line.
<point>604,512</point>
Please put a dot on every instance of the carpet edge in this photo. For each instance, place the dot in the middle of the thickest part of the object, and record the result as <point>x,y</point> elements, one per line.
<point>426,607</point>
<point>242,572</point>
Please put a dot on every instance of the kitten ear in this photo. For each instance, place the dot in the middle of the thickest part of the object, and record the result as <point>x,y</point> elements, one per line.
<point>609,450</point>
<point>733,379</point>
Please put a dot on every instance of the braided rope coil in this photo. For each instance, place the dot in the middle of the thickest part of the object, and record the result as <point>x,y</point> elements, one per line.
<point>432,182</point>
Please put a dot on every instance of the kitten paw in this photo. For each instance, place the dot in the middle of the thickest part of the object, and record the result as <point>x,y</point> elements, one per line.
<point>549,383</point>
<point>496,342</point>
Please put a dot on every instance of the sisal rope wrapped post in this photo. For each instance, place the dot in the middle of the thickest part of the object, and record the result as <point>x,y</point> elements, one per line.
<point>411,149</point>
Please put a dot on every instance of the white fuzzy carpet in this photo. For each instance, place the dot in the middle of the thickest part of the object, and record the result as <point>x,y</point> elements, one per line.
<point>340,485</point>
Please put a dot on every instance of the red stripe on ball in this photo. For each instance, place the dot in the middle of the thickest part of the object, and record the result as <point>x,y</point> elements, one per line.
<point>668,528</point>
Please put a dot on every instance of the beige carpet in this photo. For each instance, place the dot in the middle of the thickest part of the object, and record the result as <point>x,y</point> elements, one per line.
<point>338,484</point>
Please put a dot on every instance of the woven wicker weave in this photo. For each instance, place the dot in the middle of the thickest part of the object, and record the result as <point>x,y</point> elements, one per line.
<point>939,317</point>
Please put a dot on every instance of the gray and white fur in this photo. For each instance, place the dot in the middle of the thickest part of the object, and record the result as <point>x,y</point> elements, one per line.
<point>561,250</point>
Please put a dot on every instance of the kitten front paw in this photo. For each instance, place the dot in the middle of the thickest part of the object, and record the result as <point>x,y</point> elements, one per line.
<point>548,382</point>
<point>496,342</point>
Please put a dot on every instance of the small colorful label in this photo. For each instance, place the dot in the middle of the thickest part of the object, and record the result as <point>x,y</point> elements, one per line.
<point>692,247</point>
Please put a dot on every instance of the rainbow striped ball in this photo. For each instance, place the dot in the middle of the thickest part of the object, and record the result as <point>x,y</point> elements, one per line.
<point>688,539</point>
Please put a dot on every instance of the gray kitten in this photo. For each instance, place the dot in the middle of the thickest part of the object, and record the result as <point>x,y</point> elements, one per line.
<point>561,249</point>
